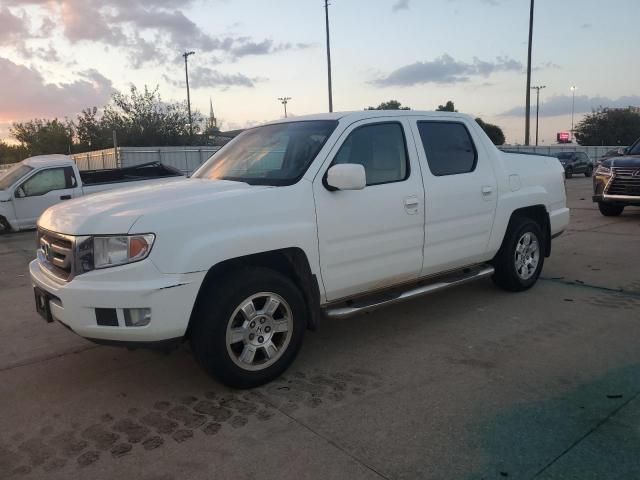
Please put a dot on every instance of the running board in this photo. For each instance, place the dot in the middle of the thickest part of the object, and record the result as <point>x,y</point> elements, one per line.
<point>364,304</point>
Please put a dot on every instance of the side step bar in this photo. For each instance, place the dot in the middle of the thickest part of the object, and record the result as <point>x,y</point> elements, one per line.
<point>365,304</point>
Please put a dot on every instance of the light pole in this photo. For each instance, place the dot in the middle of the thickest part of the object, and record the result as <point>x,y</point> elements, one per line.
<point>573,107</point>
<point>186,74</point>
<point>326,16</point>
<point>284,101</point>
<point>537,89</point>
<point>528,106</point>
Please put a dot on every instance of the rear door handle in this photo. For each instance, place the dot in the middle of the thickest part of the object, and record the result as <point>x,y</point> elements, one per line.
<point>411,204</point>
<point>65,197</point>
<point>487,190</point>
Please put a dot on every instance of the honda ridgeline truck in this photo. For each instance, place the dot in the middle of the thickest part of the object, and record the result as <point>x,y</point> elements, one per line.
<point>324,215</point>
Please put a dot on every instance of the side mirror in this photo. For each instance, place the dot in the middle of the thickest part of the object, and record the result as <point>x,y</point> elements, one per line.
<point>622,151</point>
<point>20,192</point>
<point>347,176</point>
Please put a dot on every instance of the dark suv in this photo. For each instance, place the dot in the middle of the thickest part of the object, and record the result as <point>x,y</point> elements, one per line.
<point>575,162</point>
<point>616,183</point>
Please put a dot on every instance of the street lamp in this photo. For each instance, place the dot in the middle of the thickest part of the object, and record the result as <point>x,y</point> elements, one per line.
<point>537,89</point>
<point>186,74</point>
<point>573,107</point>
<point>284,101</point>
<point>527,120</point>
<point>326,16</point>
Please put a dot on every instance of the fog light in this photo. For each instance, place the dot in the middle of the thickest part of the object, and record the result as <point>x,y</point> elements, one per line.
<point>137,317</point>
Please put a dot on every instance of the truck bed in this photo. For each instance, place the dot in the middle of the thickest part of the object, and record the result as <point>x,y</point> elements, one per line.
<point>145,171</point>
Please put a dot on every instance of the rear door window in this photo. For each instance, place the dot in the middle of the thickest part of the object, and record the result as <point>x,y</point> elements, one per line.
<point>448,147</point>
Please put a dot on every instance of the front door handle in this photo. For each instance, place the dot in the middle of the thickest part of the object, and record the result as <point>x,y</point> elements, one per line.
<point>65,197</point>
<point>487,190</point>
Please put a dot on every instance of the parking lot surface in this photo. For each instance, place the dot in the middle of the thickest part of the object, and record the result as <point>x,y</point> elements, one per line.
<point>472,383</point>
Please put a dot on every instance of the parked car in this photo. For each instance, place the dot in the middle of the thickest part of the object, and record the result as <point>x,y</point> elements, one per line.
<point>616,183</point>
<point>37,183</point>
<point>332,214</point>
<point>631,151</point>
<point>575,162</point>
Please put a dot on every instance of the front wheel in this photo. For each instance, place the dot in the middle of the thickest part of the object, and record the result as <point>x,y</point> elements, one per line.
<point>248,329</point>
<point>519,261</point>
<point>568,173</point>
<point>609,210</point>
<point>589,171</point>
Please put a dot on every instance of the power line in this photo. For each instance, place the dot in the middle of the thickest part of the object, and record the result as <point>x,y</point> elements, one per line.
<point>186,74</point>
<point>537,89</point>
<point>284,101</point>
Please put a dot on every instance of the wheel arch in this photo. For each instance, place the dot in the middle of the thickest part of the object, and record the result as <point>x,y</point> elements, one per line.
<point>291,262</point>
<point>539,214</point>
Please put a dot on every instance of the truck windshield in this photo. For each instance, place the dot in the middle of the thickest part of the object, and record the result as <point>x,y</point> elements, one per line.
<point>269,155</point>
<point>635,148</point>
<point>13,174</point>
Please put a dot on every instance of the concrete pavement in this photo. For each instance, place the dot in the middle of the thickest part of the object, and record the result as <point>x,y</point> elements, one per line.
<point>472,383</point>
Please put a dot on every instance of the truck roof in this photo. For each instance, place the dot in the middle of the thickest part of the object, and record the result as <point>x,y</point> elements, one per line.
<point>365,114</point>
<point>48,160</point>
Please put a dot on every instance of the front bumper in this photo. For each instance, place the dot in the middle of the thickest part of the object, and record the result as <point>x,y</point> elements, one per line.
<point>616,199</point>
<point>170,297</point>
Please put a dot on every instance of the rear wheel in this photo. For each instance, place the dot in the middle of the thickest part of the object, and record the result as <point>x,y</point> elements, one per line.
<point>520,259</point>
<point>248,329</point>
<point>609,210</point>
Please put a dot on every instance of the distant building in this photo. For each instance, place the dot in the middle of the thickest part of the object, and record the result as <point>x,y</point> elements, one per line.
<point>212,122</point>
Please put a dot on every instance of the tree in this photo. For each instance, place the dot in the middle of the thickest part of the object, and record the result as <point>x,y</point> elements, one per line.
<point>141,118</point>
<point>12,153</point>
<point>494,132</point>
<point>390,105</point>
<point>608,127</point>
<point>42,136</point>
<point>91,132</point>
<point>448,107</point>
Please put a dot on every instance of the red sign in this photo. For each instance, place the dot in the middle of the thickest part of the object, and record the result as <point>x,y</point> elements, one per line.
<point>563,137</point>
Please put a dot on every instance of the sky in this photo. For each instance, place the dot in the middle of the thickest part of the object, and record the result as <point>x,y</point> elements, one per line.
<point>58,57</point>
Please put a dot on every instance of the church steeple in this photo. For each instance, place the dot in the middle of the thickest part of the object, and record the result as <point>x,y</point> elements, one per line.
<point>213,122</point>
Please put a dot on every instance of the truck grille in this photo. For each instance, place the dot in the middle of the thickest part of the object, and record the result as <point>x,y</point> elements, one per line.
<point>625,181</point>
<point>55,252</point>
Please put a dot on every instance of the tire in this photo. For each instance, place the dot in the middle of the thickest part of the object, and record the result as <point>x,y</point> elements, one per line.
<point>518,264</point>
<point>223,334</point>
<point>568,173</point>
<point>610,210</point>
<point>588,172</point>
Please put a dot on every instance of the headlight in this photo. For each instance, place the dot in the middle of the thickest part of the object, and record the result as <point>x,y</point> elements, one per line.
<point>109,251</point>
<point>603,171</point>
<point>112,251</point>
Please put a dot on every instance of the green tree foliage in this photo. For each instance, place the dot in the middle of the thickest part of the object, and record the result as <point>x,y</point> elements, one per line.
<point>140,118</point>
<point>390,105</point>
<point>42,136</point>
<point>608,127</point>
<point>448,107</point>
<point>494,132</point>
<point>12,153</point>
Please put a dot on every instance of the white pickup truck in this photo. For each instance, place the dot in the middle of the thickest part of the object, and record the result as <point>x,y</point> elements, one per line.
<point>37,183</point>
<point>330,214</point>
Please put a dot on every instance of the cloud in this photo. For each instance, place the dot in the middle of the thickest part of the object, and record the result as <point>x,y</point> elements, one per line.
<point>26,93</point>
<point>147,32</point>
<point>586,26</point>
<point>205,77</point>
<point>561,105</point>
<point>445,69</point>
<point>400,5</point>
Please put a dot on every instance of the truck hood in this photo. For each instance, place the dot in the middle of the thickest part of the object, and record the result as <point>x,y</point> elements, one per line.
<point>115,212</point>
<point>5,196</point>
<point>629,161</point>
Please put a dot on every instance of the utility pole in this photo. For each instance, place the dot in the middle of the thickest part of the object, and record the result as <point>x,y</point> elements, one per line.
<point>284,101</point>
<point>186,74</point>
<point>528,106</point>
<point>573,107</point>
<point>326,16</point>
<point>537,89</point>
